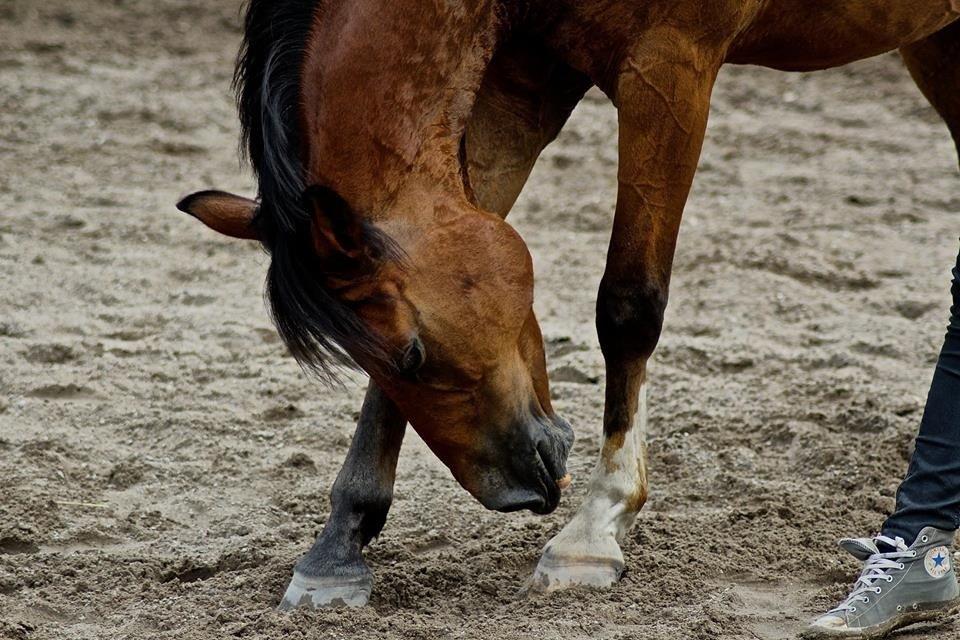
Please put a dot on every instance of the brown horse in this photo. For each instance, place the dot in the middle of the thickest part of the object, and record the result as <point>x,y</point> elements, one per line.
<point>390,139</point>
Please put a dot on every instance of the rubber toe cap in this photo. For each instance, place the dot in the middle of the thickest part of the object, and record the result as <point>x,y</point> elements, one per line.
<point>830,621</point>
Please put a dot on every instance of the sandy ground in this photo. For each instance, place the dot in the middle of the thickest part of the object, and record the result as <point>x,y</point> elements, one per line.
<point>163,462</point>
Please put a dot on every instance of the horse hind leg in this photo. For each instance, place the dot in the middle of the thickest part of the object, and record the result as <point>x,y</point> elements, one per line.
<point>934,63</point>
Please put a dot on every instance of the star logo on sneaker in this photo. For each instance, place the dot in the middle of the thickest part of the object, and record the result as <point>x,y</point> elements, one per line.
<point>937,562</point>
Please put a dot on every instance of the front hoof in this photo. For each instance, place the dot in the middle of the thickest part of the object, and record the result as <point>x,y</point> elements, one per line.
<point>556,572</point>
<point>326,591</point>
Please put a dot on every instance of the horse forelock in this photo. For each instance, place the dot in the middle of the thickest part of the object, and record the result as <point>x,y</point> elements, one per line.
<point>317,328</point>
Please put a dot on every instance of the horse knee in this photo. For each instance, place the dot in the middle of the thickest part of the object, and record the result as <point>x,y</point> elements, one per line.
<point>630,318</point>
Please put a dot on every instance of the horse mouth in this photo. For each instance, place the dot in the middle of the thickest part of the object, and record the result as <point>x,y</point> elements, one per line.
<point>550,489</point>
<point>546,470</point>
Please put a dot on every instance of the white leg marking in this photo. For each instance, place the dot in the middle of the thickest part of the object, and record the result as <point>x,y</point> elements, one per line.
<point>587,550</point>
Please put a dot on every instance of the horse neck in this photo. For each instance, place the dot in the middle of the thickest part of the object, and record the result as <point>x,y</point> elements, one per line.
<point>387,89</point>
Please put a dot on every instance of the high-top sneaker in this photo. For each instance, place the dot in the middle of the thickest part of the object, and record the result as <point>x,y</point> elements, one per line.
<point>896,588</point>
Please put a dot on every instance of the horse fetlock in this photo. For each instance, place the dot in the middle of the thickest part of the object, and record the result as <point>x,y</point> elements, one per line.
<point>359,512</point>
<point>333,572</point>
<point>587,551</point>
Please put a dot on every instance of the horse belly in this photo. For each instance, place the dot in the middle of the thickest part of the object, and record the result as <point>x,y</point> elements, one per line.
<point>805,35</point>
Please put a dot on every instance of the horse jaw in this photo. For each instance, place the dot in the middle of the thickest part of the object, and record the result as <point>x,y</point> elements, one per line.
<point>223,212</point>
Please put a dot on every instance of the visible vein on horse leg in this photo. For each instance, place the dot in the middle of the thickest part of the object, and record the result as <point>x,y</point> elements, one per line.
<point>641,74</point>
<point>644,191</point>
<point>644,188</point>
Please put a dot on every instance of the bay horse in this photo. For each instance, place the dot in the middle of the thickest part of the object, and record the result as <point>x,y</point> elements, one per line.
<point>390,139</point>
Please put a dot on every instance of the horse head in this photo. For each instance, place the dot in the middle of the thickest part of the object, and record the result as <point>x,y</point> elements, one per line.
<point>436,305</point>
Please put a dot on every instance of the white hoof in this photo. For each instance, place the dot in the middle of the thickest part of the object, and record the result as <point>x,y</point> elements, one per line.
<point>326,591</point>
<point>554,573</point>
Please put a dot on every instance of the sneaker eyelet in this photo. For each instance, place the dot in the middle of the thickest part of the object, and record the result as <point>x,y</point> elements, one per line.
<point>853,609</point>
<point>913,554</point>
<point>878,590</point>
<point>924,539</point>
<point>889,578</point>
<point>900,566</point>
<point>899,607</point>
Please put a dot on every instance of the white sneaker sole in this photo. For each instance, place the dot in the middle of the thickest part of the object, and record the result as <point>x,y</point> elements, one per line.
<point>928,612</point>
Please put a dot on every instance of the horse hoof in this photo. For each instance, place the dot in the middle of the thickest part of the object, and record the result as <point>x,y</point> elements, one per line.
<point>554,573</point>
<point>326,591</point>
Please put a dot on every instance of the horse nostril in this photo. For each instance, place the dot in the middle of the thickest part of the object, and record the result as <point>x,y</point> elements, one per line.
<point>413,357</point>
<point>554,445</point>
<point>566,431</point>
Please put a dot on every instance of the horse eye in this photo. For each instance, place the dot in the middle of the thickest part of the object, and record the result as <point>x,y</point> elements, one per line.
<point>413,357</point>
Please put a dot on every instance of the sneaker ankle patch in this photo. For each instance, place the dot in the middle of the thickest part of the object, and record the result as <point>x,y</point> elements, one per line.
<point>937,562</point>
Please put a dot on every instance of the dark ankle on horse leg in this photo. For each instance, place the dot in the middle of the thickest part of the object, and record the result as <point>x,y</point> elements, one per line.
<point>333,572</point>
<point>363,491</point>
<point>629,320</point>
<point>354,521</point>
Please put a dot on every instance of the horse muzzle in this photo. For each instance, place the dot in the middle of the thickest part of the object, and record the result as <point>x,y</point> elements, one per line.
<point>526,470</point>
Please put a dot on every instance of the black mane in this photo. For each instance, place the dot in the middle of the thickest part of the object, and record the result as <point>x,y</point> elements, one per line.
<point>267,82</point>
<point>316,327</point>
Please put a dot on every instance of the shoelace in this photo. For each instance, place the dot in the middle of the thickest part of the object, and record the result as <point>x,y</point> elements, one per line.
<point>874,570</point>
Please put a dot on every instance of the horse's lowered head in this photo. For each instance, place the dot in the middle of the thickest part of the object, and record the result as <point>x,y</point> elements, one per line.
<point>437,307</point>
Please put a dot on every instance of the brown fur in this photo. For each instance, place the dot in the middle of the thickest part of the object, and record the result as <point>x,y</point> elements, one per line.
<point>398,96</point>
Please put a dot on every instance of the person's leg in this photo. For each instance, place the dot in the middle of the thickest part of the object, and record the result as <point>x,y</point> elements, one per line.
<point>930,493</point>
<point>908,573</point>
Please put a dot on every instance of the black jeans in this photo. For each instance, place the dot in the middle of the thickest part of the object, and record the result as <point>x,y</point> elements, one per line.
<point>930,493</point>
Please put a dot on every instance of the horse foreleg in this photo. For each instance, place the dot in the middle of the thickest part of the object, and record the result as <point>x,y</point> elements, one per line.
<point>663,94</point>
<point>333,572</point>
<point>934,63</point>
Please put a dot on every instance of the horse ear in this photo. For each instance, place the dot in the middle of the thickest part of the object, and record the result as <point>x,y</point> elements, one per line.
<point>338,233</point>
<point>224,212</point>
